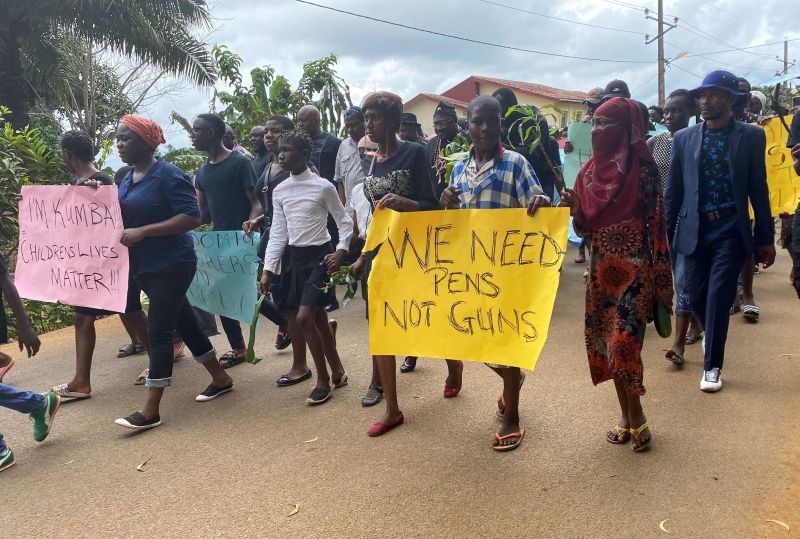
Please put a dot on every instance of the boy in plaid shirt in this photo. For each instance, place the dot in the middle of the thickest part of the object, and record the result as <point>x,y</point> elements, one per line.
<point>494,177</point>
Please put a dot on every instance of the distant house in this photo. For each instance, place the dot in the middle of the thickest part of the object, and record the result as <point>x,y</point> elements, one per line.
<point>570,102</point>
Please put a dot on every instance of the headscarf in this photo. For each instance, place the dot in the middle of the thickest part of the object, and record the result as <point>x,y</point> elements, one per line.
<point>149,131</point>
<point>761,97</point>
<point>608,183</point>
<point>446,109</point>
<point>354,111</point>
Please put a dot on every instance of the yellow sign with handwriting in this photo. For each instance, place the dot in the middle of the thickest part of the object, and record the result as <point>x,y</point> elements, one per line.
<point>477,285</point>
<point>783,182</point>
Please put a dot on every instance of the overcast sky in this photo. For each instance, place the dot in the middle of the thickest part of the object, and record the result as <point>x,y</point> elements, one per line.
<point>375,56</point>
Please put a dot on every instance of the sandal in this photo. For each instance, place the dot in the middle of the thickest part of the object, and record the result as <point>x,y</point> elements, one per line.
<point>675,357</point>
<point>130,350</point>
<point>142,378</point>
<point>453,391</point>
<point>510,447</point>
<point>635,433</point>
<point>622,435</point>
<point>231,359</point>
<point>581,259</point>
<point>750,313</point>
<point>63,391</point>
<point>692,338</point>
<point>372,401</point>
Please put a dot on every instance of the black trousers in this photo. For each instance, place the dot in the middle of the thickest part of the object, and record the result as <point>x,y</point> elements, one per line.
<point>169,310</point>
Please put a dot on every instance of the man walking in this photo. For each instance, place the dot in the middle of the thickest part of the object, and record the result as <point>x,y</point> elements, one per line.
<point>225,185</point>
<point>445,124</point>
<point>349,172</point>
<point>716,169</point>
<point>262,158</point>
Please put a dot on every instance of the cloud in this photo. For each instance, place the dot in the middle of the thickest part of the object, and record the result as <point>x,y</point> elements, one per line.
<point>373,55</point>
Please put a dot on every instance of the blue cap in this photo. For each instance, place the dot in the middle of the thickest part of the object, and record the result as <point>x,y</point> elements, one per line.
<point>724,80</point>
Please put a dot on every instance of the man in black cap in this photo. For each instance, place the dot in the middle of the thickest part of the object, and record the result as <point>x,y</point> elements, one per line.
<point>445,125</point>
<point>716,171</point>
<point>616,88</point>
<point>409,128</point>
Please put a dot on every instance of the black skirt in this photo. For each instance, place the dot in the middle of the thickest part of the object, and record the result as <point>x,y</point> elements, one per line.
<point>302,282</point>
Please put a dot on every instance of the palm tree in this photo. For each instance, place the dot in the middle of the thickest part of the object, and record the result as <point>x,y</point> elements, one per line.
<point>154,31</point>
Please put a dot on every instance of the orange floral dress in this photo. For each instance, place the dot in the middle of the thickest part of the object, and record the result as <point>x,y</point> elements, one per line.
<point>630,265</point>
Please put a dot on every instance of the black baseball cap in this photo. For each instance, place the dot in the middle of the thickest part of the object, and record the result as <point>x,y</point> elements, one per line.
<point>409,118</point>
<point>616,88</point>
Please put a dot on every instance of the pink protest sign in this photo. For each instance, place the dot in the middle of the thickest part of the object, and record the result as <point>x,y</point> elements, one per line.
<point>69,249</point>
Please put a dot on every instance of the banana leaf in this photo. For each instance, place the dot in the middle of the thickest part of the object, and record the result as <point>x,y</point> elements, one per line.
<point>250,355</point>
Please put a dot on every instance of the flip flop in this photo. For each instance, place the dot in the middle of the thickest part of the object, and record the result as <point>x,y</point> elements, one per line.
<point>635,433</point>
<point>286,380</point>
<point>620,432</point>
<point>501,402</point>
<point>10,363</point>
<point>750,313</point>
<point>675,357</point>
<point>63,391</point>
<point>519,435</point>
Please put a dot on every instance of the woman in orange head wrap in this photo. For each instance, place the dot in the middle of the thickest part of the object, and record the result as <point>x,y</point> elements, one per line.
<point>159,208</point>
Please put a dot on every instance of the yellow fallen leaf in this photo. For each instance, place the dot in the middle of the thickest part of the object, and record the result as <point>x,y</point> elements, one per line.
<point>294,511</point>
<point>70,462</point>
<point>662,527</point>
<point>141,466</point>
<point>778,522</point>
<point>314,439</point>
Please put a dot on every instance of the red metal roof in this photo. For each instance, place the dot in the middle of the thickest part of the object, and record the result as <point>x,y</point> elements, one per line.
<point>465,90</point>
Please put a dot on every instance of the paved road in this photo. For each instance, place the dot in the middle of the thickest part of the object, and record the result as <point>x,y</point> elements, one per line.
<point>721,464</point>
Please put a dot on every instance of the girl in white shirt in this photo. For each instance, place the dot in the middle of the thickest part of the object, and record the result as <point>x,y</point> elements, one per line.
<point>301,205</point>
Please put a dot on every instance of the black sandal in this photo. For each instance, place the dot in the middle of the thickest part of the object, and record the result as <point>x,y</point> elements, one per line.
<point>230,359</point>
<point>283,340</point>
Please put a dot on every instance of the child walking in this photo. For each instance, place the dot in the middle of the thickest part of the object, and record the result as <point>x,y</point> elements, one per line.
<point>42,408</point>
<point>301,205</point>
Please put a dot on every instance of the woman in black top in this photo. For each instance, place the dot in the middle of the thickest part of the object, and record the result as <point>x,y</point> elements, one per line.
<point>399,178</point>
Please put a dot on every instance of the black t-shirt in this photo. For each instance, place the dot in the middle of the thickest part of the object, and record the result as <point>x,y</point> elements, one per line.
<point>407,174</point>
<point>260,162</point>
<point>225,186</point>
<point>100,176</point>
<point>323,155</point>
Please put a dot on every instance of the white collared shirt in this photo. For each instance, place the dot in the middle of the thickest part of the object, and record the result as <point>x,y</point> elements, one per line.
<point>301,205</point>
<point>348,167</point>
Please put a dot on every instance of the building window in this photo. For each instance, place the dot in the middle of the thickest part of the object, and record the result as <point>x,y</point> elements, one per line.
<point>477,88</point>
<point>577,116</point>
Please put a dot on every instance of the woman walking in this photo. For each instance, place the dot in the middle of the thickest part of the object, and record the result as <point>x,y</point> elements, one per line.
<point>617,205</point>
<point>398,178</point>
<point>159,208</point>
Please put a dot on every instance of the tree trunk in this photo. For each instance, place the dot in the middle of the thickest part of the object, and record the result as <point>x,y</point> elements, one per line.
<point>14,90</point>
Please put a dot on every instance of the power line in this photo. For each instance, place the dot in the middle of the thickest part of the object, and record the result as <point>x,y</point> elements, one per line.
<point>717,61</point>
<point>686,26</point>
<point>476,41</point>
<point>623,30</point>
<point>686,71</point>
<point>749,47</point>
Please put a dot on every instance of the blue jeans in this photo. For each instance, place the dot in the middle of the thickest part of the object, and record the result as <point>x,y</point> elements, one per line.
<point>683,308</point>
<point>26,402</point>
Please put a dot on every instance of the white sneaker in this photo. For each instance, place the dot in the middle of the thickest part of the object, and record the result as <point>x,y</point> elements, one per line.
<point>711,382</point>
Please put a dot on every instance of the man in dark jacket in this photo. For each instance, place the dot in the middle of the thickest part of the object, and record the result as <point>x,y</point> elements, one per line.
<point>716,169</point>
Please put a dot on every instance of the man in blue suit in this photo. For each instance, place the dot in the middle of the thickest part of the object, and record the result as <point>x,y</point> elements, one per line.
<point>716,167</point>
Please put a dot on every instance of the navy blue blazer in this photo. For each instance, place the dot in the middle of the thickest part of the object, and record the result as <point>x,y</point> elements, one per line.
<point>749,177</point>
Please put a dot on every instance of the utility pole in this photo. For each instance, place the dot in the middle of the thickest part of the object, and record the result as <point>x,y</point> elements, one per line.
<point>785,61</point>
<point>660,38</point>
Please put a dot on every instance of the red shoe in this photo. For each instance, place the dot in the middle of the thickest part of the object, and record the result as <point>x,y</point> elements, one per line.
<point>452,391</point>
<point>379,429</point>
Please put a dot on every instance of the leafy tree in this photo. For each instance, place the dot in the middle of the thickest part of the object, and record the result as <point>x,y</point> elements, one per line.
<point>158,32</point>
<point>247,105</point>
<point>24,159</point>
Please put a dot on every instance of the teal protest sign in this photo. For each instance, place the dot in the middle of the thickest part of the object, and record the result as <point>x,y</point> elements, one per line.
<point>579,135</point>
<point>227,270</point>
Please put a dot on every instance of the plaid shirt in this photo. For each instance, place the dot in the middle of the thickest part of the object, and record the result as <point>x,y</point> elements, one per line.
<point>510,183</point>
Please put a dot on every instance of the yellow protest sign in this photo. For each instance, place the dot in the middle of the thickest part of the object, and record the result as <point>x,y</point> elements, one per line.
<point>477,285</point>
<point>783,182</point>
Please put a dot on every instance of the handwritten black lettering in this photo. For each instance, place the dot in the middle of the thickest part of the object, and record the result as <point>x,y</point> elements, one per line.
<point>477,240</point>
<point>506,244</point>
<point>437,242</point>
<point>407,241</point>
